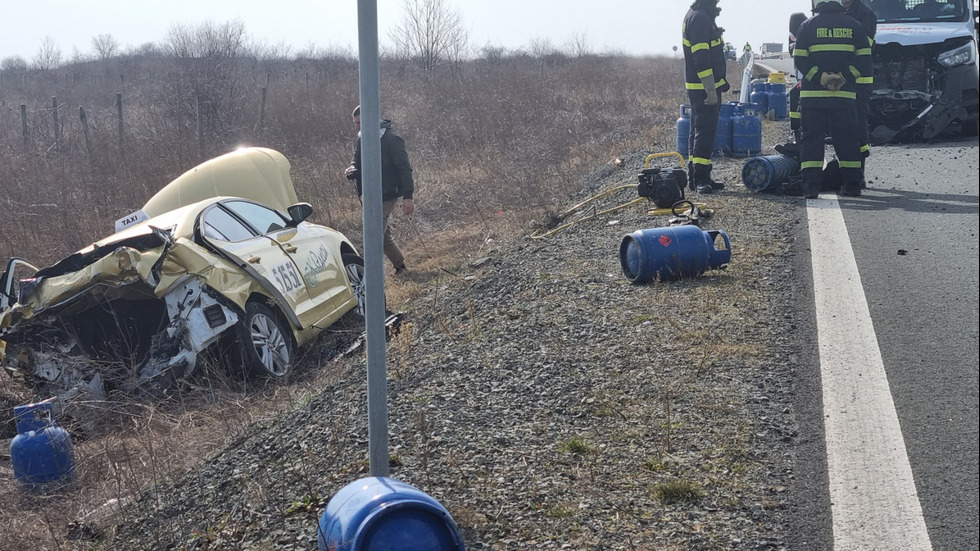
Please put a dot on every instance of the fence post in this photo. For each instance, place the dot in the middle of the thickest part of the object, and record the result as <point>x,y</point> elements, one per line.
<point>120,117</point>
<point>54,118</point>
<point>200,130</point>
<point>23,127</point>
<point>85,132</point>
<point>258,124</point>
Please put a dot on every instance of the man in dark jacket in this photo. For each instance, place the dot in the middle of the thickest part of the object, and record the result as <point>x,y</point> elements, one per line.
<point>704,79</point>
<point>396,181</point>
<point>869,21</point>
<point>833,56</point>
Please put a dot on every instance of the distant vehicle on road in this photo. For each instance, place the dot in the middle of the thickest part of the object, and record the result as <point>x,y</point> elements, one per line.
<point>771,48</point>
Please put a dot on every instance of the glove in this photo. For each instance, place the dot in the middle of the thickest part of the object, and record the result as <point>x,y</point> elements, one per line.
<point>832,81</point>
<point>352,173</point>
<point>709,88</point>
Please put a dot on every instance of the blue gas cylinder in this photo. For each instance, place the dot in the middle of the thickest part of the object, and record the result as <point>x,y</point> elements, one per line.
<point>723,139</point>
<point>42,454</point>
<point>672,253</point>
<point>747,131</point>
<point>778,101</point>
<point>383,513</point>
<point>760,96</point>
<point>684,130</point>
<point>768,172</point>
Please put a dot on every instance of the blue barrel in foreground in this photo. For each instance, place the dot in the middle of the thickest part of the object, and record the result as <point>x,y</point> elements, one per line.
<point>42,454</point>
<point>672,253</point>
<point>380,513</point>
<point>768,172</point>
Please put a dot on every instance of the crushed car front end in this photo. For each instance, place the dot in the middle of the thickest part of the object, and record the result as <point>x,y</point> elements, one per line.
<point>129,311</point>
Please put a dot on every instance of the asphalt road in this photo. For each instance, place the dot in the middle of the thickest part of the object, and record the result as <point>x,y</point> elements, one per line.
<point>892,445</point>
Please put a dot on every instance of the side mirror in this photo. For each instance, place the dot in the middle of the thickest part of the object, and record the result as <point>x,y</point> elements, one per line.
<point>795,20</point>
<point>299,212</point>
<point>16,268</point>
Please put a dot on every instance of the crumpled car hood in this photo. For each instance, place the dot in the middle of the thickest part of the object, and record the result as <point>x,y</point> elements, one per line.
<point>255,173</point>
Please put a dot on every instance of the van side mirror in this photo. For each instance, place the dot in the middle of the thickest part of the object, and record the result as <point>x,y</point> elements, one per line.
<point>795,20</point>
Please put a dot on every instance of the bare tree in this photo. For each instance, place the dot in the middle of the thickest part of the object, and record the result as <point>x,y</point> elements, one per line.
<point>48,56</point>
<point>13,64</point>
<point>578,45</point>
<point>431,34</point>
<point>105,46</point>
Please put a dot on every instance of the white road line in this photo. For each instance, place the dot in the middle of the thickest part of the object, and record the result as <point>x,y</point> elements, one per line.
<point>874,503</point>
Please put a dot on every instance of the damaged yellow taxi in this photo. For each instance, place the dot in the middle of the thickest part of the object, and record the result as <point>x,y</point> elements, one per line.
<point>223,258</point>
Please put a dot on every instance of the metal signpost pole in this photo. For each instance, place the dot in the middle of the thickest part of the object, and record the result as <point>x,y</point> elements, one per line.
<point>367,31</point>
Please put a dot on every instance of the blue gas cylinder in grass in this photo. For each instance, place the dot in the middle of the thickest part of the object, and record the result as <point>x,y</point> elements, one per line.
<point>42,453</point>
<point>672,253</point>
<point>684,130</point>
<point>381,513</point>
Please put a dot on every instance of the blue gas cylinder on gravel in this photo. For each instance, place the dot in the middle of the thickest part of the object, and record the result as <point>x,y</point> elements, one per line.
<point>384,513</point>
<point>684,130</point>
<point>747,131</point>
<point>723,139</point>
<point>672,253</point>
<point>778,101</point>
<point>42,453</point>
<point>768,171</point>
<point>760,96</point>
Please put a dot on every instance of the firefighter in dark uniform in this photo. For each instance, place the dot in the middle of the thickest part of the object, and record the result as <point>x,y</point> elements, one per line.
<point>704,77</point>
<point>831,54</point>
<point>869,21</point>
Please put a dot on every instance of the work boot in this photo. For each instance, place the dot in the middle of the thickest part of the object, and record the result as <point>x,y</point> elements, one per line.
<point>850,191</point>
<point>717,186</point>
<point>705,188</point>
<point>811,190</point>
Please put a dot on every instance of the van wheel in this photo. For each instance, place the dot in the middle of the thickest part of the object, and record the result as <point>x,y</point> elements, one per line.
<point>265,342</point>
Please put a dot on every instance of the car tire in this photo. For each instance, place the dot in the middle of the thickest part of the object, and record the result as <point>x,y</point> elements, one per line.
<point>265,342</point>
<point>354,267</point>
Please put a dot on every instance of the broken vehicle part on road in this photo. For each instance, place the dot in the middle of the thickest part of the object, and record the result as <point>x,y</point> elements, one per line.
<point>221,257</point>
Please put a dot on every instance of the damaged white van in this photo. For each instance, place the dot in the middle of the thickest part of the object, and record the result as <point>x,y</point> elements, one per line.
<point>925,70</point>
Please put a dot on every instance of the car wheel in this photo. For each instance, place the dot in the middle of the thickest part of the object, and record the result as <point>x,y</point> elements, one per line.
<point>265,342</point>
<point>354,266</point>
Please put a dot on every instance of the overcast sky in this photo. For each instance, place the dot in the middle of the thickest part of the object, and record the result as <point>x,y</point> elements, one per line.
<point>635,27</point>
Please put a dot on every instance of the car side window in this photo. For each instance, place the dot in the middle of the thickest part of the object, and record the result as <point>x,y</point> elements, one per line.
<point>261,218</point>
<point>219,224</point>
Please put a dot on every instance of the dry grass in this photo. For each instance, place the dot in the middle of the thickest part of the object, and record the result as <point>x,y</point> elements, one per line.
<point>495,146</point>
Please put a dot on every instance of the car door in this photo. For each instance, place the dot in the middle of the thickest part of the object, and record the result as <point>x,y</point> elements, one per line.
<point>260,240</point>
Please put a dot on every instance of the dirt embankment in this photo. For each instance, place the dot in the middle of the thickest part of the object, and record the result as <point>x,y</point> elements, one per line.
<point>546,401</point>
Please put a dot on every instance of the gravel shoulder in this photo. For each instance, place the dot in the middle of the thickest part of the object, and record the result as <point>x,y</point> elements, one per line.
<point>547,402</point>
